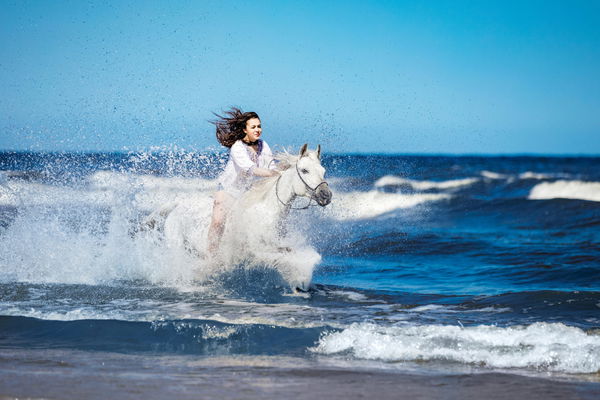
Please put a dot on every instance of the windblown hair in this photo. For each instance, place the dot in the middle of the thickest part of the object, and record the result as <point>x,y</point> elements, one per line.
<point>230,127</point>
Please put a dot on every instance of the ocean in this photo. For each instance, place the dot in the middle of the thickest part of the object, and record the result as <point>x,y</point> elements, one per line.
<point>437,277</point>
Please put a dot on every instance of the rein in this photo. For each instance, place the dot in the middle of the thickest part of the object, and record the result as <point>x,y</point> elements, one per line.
<point>306,185</point>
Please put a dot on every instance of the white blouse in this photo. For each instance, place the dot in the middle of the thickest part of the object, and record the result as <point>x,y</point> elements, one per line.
<point>237,176</point>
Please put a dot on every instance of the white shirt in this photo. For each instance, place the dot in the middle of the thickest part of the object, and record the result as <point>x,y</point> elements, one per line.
<point>237,176</point>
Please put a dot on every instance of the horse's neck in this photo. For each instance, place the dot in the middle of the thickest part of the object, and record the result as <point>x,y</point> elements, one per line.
<point>283,190</point>
<point>275,200</point>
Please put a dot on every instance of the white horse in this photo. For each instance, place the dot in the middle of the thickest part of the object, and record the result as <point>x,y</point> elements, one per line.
<point>255,232</point>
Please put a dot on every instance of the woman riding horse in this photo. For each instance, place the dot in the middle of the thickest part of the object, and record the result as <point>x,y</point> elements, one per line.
<point>249,157</point>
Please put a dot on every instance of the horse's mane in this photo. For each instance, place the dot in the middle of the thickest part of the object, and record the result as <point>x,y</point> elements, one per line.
<point>286,157</point>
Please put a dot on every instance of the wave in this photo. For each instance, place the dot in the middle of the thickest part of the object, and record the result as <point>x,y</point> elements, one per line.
<point>102,246</point>
<point>107,180</point>
<point>371,204</point>
<point>563,189</point>
<point>93,232</point>
<point>392,180</point>
<point>540,346</point>
<point>494,175</point>
<point>539,176</point>
<point>523,175</point>
<point>88,245</point>
<point>89,232</point>
<point>192,336</point>
<point>453,184</point>
<point>106,188</point>
<point>239,302</point>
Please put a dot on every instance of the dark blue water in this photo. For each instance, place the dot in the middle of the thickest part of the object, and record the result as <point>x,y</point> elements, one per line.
<point>485,261</point>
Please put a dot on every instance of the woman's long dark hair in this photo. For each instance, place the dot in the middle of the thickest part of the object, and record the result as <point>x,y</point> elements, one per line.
<point>230,127</point>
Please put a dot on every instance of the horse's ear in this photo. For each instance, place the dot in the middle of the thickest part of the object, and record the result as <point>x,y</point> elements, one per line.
<point>319,151</point>
<point>303,150</point>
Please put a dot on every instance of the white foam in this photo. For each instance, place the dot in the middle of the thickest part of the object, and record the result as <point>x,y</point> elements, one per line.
<point>492,309</point>
<point>108,180</point>
<point>543,175</point>
<point>352,296</point>
<point>432,308</point>
<point>362,205</point>
<point>80,313</point>
<point>524,175</point>
<point>22,193</point>
<point>281,314</point>
<point>392,180</point>
<point>542,346</point>
<point>105,188</point>
<point>208,332</point>
<point>564,189</point>
<point>219,309</point>
<point>42,248</point>
<point>150,192</point>
<point>494,175</point>
<point>535,175</point>
<point>8,196</point>
<point>83,233</point>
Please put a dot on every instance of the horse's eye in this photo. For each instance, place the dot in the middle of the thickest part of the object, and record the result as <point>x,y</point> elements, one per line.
<point>304,171</point>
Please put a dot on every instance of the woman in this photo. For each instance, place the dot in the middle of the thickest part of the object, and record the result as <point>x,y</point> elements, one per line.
<point>249,157</point>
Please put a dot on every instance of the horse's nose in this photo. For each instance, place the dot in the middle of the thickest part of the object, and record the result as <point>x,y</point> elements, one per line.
<point>323,195</point>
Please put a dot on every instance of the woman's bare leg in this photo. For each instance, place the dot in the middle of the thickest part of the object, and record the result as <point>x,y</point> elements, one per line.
<point>221,207</point>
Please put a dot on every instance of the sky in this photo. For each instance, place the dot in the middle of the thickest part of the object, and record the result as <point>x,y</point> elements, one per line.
<point>450,77</point>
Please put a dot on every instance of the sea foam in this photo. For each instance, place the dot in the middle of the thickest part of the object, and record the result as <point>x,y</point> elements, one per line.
<point>96,231</point>
<point>540,346</point>
<point>392,180</point>
<point>85,232</point>
<point>363,205</point>
<point>563,189</point>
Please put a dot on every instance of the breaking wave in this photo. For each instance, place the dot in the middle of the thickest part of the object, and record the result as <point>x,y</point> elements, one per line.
<point>391,180</point>
<point>371,204</point>
<point>562,189</point>
<point>540,346</point>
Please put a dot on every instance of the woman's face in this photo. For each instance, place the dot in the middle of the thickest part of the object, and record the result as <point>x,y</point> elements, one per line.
<point>252,130</point>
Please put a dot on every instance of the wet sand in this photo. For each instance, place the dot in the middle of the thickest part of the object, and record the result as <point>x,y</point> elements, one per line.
<point>59,374</point>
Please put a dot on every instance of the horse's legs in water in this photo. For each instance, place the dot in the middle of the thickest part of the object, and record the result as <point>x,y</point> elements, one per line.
<point>221,206</point>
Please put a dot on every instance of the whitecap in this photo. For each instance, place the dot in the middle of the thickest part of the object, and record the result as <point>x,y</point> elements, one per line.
<point>534,175</point>
<point>564,189</point>
<point>392,180</point>
<point>542,346</point>
<point>494,175</point>
<point>363,205</point>
<point>352,296</point>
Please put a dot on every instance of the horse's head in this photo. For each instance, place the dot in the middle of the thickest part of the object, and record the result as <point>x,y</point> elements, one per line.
<point>311,174</point>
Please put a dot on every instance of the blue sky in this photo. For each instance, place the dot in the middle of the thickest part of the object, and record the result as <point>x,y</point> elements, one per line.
<point>366,76</point>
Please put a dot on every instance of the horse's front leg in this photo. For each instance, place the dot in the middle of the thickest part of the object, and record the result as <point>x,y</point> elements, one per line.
<point>281,225</point>
<point>282,230</point>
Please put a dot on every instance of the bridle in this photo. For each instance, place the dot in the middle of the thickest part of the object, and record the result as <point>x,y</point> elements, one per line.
<point>310,189</point>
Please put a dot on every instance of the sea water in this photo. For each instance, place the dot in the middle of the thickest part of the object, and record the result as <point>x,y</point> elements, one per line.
<point>428,263</point>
